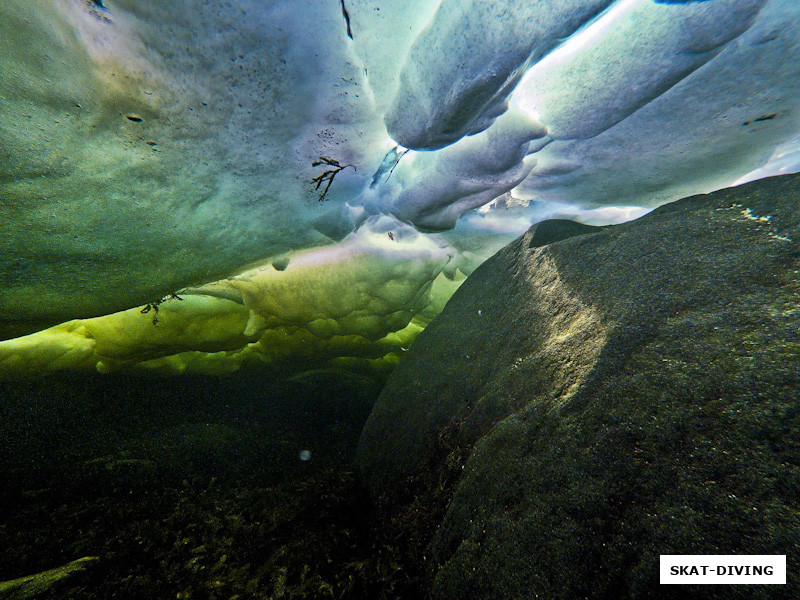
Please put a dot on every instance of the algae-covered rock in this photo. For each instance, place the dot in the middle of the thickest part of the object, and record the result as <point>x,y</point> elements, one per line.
<point>33,585</point>
<point>626,393</point>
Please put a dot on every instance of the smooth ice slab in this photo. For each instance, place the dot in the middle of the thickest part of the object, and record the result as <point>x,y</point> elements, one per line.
<point>636,52</point>
<point>441,186</point>
<point>717,124</point>
<point>461,68</point>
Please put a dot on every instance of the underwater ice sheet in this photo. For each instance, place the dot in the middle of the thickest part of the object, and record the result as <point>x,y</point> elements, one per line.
<point>149,148</point>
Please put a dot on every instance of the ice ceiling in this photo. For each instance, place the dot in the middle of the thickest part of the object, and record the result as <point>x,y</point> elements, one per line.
<point>151,147</point>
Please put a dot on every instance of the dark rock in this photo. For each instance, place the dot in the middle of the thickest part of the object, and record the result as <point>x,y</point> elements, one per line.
<point>555,230</point>
<point>625,394</point>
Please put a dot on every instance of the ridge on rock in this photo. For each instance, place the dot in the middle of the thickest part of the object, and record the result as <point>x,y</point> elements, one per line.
<point>617,395</point>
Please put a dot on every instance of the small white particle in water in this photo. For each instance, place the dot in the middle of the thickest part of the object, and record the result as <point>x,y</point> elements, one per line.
<point>305,455</point>
<point>480,313</point>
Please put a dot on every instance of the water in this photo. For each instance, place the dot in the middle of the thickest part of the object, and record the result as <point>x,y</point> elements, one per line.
<point>192,487</point>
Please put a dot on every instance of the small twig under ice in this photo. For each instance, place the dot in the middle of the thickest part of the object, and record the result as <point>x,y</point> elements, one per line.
<point>346,16</point>
<point>327,176</point>
<point>154,306</point>
<point>397,162</point>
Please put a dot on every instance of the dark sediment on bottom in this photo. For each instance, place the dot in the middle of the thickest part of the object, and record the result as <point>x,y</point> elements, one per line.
<point>193,488</point>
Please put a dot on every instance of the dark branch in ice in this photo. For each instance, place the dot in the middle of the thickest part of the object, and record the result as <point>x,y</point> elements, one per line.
<point>397,162</point>
<point>346,19</point>
<point>327,176</point>
<point>154,306</point>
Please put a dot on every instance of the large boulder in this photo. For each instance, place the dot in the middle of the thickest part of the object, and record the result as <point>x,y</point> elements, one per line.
<point>620,393</point>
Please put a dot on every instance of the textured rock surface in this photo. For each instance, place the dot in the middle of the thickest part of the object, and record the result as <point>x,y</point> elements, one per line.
<point>625,393</point>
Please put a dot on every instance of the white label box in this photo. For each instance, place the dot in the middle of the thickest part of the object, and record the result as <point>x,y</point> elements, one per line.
<point>723,568</point>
